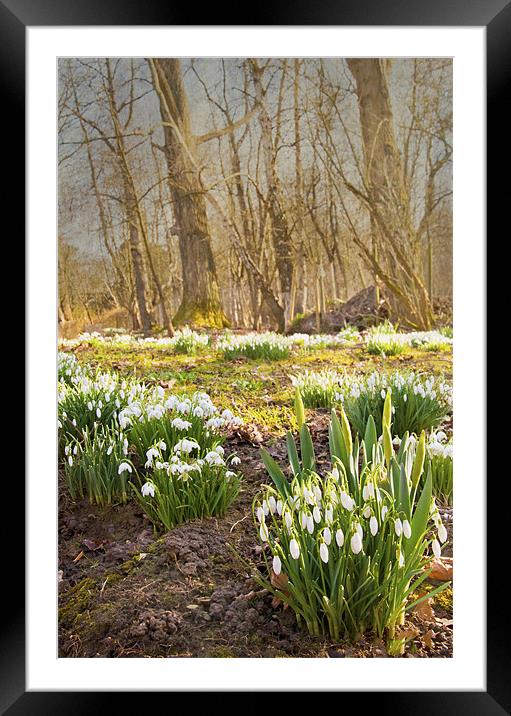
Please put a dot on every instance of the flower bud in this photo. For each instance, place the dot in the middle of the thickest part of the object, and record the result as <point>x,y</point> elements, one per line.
<point>356,543</point>
<point>277,565</point>
<point>407,530</point>
<point>339,537</point>
<point>373,525</point>
<point>294,549</point>
<point>323,552</point>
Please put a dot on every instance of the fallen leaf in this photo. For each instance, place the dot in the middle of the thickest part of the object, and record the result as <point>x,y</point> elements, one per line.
<point>408,633</point>
<point>428,639</point>
<point>79,556</point>
<point>424,610</point>
<point>279,581</point>
<point>441,569</point>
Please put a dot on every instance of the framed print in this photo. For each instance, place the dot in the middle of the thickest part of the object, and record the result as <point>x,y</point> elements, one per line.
<point>256,353</point>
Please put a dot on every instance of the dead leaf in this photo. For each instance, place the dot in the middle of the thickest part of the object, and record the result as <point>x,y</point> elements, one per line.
<point>424,610</point>
<point>279,581</point>
<point>79,556</point>
<point>407,633</point>
<point>441,569</point>
<point>428,639</point>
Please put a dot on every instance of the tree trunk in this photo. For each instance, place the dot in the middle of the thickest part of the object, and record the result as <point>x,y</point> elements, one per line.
<point>388,197</point>
<point>200,303</point>
<point>280,232</point>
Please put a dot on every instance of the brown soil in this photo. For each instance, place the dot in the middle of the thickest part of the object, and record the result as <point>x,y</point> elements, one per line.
<point>126,591</point>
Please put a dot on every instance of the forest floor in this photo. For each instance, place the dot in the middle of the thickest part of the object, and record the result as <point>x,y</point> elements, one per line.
<point>126,591</point>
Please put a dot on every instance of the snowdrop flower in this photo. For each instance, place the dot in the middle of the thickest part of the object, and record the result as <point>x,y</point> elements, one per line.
<point>67,449</point>
<point>162,445</point>
<point>272,504</point>
<point>123,467</point>
<point>329,514</point>
<point>335,474</point>
<point>277,565</point>
<point>360,531</point>
<point>407,530</point>
<point>373,525</point>
<point>263,532</point>
<point>235,460</point>
<point>327,535</point>
<point>384,511</point>
<point>346,501</point>
<point>356,543</point>
<point>266,507</point>
<point>310,524</point>
<point>401,559</point>
<point>442,533</point>
<point>147,489</point>
<point>70,460</point>
<point>435,546</point>
<point>367,512</point>
<point>110,448</point>
<point>280,506</point>
<point>294,549</point>
<point>288,520</point>
<point>323,552</point>
<point>398,526</point>
<point>89,405</point>
<point>339,537</point>
<point>316,514</point>
<point>260,514</point>
<point>229,474</point>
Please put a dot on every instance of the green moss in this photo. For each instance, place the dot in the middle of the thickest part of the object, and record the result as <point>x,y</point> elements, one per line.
<point>221,652</point>
<point>208,315</point>
<point>77,600</point>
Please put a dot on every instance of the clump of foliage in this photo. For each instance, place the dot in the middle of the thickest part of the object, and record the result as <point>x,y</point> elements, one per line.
<point>419,402</point>
<point>346,550</point>
<point>385,340</point>
<point>189,483</point>
<point>97,466</point>
<point>263,346</point>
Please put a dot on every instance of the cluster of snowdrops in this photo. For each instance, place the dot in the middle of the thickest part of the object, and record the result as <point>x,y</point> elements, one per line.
<point>348,548</point>
<point>384,340</point>
<point>119,438</point>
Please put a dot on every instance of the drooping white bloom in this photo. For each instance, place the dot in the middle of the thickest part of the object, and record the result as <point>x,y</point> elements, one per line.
<point>310,524</point>
<point>401,558</point>
<point>235,460</point>
<point>442,533</point>
<point>359,529</point>
<point>277,565</point>
<point>327,535</point>
<point>260,514</point>
<point>435,546</point>
<point>294,549</point>
<point>70,460</point>
<point>373,525</point>
<point>329,514</point>
<point>288,520</point>
<point>316,514</point>
<point>110,448</point>
<point>346,501</point>
<point>323,552</point>
<point>123,467</point>
<point>398,526</point>
<point>303,520</point>
<point>335,474</point>
<point>147,489</point>
<point>356,543</point>
<point>266,507</point>
<point>407,530</point>
<point>367,512</point>
<point>384,511</point>
<point>272,503</point>
<point>263,532</point>
<point>280,506</point>
<point>339,537</point>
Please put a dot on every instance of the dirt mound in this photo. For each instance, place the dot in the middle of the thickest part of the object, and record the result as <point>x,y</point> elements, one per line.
<point>361,310</point>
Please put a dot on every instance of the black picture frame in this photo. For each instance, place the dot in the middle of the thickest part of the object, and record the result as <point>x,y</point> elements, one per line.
<point>15,17</point>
